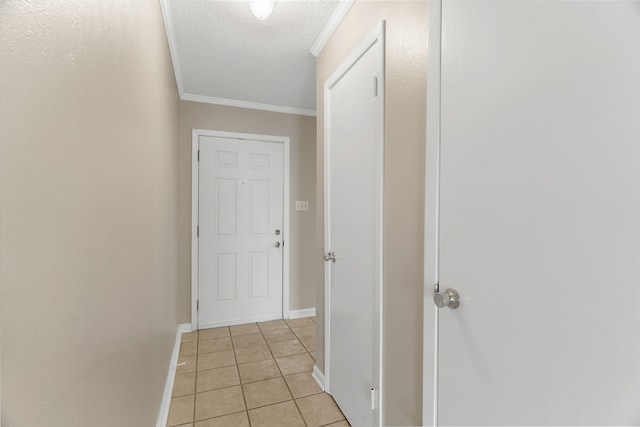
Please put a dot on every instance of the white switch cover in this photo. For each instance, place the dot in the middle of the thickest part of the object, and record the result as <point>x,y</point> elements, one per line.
<point>302,205</point>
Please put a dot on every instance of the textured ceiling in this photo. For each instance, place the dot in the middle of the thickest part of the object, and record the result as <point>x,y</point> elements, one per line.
<point>220,50</point>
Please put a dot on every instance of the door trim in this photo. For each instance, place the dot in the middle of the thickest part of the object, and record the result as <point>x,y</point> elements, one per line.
<point>376,36</point>
<point>195,169</point>
<point>432,218</point>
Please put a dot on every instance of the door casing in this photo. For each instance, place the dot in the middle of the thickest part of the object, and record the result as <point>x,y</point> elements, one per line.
<point>375,37</point>
<point>195,169</point>
<point>432,219</point>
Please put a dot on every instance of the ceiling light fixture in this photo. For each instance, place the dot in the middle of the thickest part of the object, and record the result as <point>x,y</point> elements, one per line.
<point>262,8</point>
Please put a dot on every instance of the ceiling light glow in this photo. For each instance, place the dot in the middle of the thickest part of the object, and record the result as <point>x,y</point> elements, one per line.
<point>262,8</point>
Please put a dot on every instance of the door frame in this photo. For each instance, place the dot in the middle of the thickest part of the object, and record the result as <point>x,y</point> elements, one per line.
<point>376,36</point>
<point>195,170</point>
<point>432,218</point>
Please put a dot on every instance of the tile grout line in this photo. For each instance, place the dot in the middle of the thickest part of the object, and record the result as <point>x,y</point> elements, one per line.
<point>237,366</point>
<point>219,416</point>
<point>220,388</point>
<point>195,391</point>
<point>251,382</point>
<point>195,382</point>
<point>285,381</point>
<point>242,384</point>
<point>334,401</point>
<point>244,399</point>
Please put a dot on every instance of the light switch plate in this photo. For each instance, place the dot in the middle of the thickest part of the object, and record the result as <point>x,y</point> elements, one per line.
<point>302,205</point>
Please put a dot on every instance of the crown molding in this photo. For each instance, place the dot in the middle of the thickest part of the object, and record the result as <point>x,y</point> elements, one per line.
<point>173,46</point>
<point>332,24</point>
<point>246,104</point>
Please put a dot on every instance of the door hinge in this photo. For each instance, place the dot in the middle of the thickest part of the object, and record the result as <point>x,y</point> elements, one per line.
<point>198,305</point>
<point>374,399</point>
<point>198,155</point>
<point>197,231</point>
<point>375,86</point>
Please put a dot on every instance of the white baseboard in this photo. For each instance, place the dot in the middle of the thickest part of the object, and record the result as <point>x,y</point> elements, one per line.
<point>318,377</point>
<point>305,312</point>
<point>168,386</point>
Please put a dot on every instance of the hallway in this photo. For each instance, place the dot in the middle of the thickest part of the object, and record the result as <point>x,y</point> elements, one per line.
<point>257,374</point>
<point>97,177</point>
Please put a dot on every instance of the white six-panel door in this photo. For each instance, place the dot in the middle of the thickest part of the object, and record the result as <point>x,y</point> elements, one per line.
<point>539,213</point>
<point>353,230</point>
<point>240,231</point>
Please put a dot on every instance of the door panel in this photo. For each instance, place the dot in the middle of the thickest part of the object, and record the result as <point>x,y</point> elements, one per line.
<point>354,218</point>
<point>540,213</point>
<point>259,207</point>
<point>226,206</point>
<point>240,209</point>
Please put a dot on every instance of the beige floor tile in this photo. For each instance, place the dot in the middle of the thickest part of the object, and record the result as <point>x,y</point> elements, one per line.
<point>302,384</point>
<point>239,419</point>
<point>249,328</point>
<point>273,324</point>
<point>252,354</point>
<point>216,403</point>
<point>279,415</point>
<point>216,359</point>
<point>309,343</point>
<point>217,378</point>
<point>279,335</point>
<point>268,392</point>
<point>189,336</point>
<point>319,410</point>
<point>295,363</point>
<point>184,384</point>
<point>185,425</point>
<point>247,340</point>
<point>286,348</point>
<point>258,371</point>
<point>313,318</point>
<point>216,344</point>
<point>342,423</point>
<point>305,331</point>
<point>313,354</point>
<point>209,334</point>
<point>188,348</point>
<point>181,410</point>
<point>186,364</point>
<point>298,323</point>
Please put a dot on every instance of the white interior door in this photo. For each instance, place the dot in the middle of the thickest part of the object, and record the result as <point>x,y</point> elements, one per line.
<point>353,230</point>
<point>240,235</point>
<point>540,213</point>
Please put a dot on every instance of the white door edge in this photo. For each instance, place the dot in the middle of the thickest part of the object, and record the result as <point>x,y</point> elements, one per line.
<point>195,168</point>
<point>432,219</point>
<point>376,36</point>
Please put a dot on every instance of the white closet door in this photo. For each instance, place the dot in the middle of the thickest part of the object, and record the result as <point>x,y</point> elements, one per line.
<point>353,213</point>
<point>540,213</point>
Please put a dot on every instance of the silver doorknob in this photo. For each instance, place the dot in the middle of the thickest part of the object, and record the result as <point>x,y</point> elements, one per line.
<point>277,244</point>
<point>331,256</point>
<point>449,298</point>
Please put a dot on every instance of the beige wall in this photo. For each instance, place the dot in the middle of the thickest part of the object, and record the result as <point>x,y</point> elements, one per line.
<point>305,275</point>
<point>405,135</point>
<point>88,212</point>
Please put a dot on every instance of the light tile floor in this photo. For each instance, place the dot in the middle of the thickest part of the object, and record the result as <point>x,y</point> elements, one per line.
<point>253,375</point>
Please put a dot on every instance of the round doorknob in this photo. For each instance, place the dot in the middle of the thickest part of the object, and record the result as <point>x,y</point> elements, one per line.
<point>449,298</point>
<point>277,244</point>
